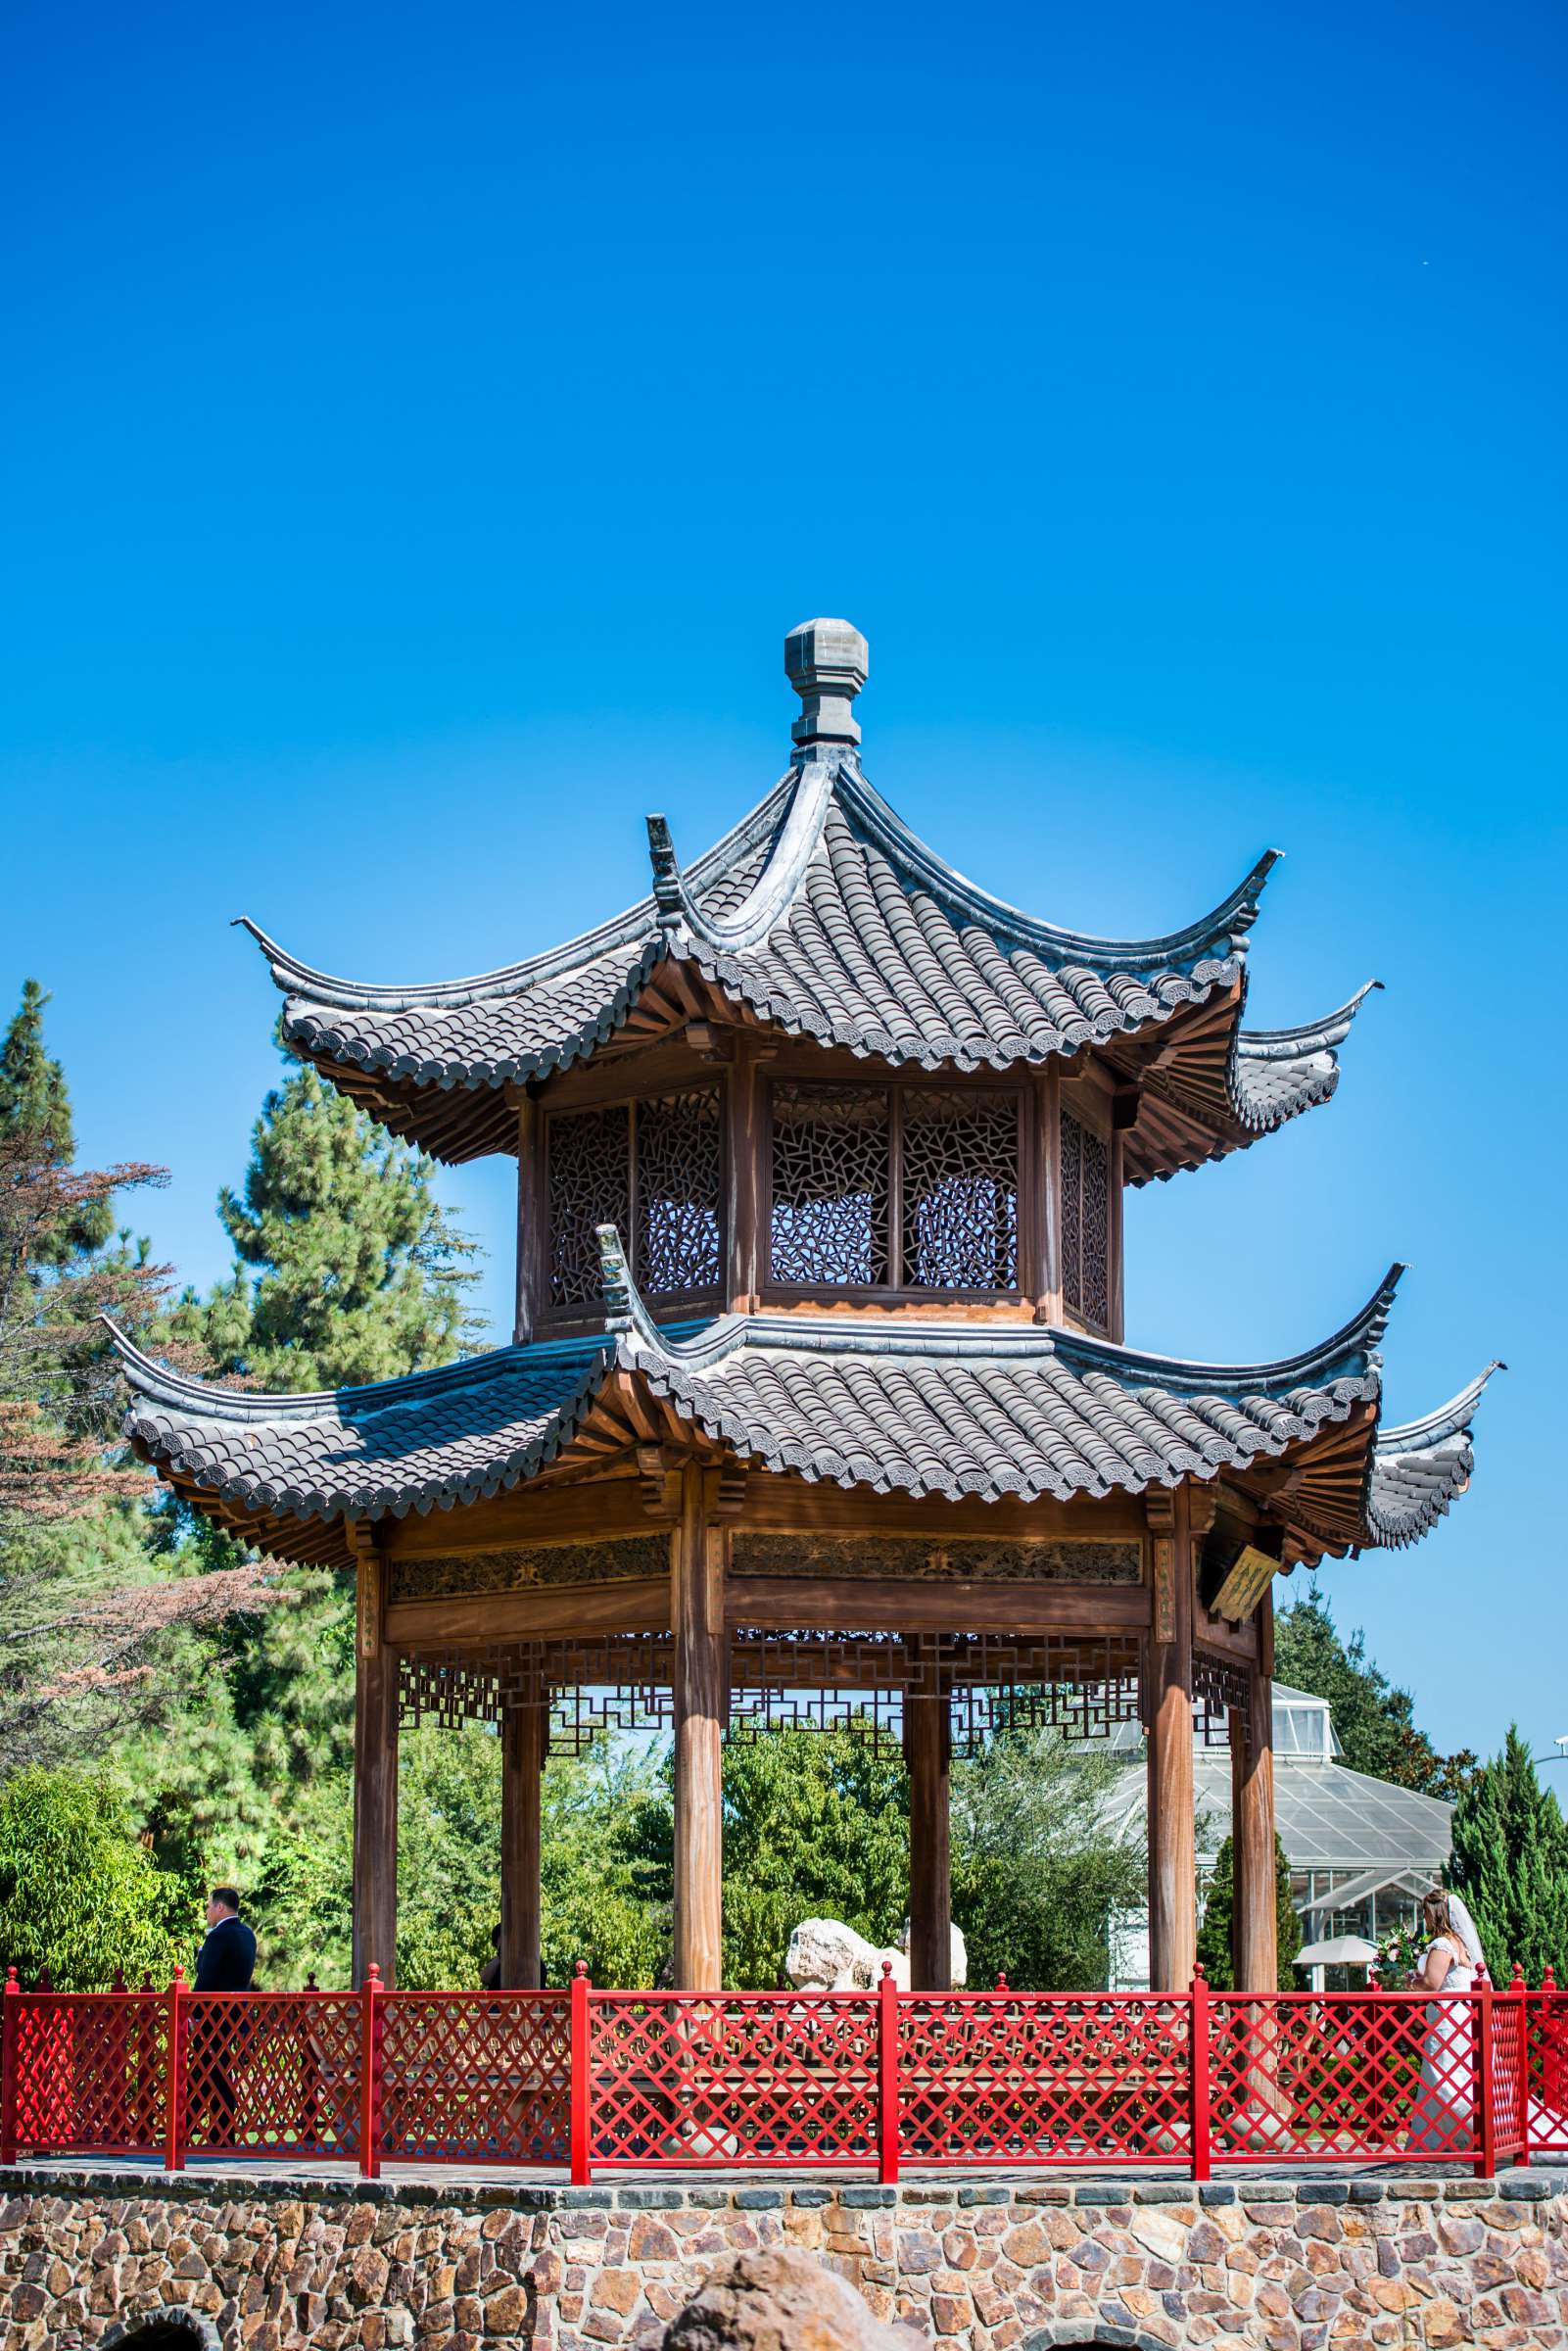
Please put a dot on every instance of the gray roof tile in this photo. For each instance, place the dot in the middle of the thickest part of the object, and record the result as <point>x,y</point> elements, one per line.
<point>825,917</point>
<point>888,1403</point>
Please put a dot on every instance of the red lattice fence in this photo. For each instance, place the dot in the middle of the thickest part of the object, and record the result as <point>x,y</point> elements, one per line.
<point>613,2080</point>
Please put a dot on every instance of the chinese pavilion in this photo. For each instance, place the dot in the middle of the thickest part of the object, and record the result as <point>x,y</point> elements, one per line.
<point>818,1406</point>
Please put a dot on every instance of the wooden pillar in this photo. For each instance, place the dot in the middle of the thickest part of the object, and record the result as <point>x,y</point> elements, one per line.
<point>375,1774</point>
<point>745,1132</point>
<point>531,1266</point>
<point>698,1558</point>
<point>1173,1864</point>
<point>928,1747</point>
<point>522,1770</point>
<point>1255,1931</point>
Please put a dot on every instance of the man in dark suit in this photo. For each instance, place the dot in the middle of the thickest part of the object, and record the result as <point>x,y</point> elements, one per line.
<point>225,1962</point>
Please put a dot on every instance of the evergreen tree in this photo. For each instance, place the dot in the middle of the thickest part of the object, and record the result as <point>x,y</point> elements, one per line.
<point>1511,1863</point>
<point>347,1267</point>
<point>1375,1722</point>
<point>87,1612</point>
<point>34,1102</point>
<point>1220,1910</point>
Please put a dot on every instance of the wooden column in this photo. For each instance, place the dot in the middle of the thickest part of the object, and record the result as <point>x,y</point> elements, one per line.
<point>699,1558</point>
<point>522,1770</point>
<point>1045,1100</point>
<point>1172,1864</point>
<point>927,1745</point>
<point>745,1104</point>
<point>1255,1931</point>
<point>375,1775</point>
<point>530,1219</point>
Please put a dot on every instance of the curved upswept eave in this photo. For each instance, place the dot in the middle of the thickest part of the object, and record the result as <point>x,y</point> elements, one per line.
<point>1218,934</point>
<point>1420,1469</point>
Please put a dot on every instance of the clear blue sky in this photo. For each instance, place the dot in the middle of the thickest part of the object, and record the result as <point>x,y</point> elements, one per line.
<point>420,426</point>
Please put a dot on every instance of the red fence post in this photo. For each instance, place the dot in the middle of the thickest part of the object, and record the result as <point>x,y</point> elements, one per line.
<point>582,2078</point>
<point>10,2058</point>
<point>887,2114</point>
<point>1519,1994</point>
<point>1198,2053</point>
<point>370,2076</point>
<point>1486,2162</point>
<point>174,2074</point>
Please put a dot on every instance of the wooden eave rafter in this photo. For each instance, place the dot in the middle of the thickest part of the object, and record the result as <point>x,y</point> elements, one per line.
<point>1178,1067</point>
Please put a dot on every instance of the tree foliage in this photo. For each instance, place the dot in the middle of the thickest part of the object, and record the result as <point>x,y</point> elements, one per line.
<point>1511,1863</point>
<point>80,1894</point>
<point>1037,1870</point>
<point>1374,1720</point>
<point>347,1267</point>
<point>1220,1910</point>
<point>816,1825</point>
<point>91,1618</point>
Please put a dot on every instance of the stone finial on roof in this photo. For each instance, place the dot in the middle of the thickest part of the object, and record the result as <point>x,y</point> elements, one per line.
<point>824,661</point>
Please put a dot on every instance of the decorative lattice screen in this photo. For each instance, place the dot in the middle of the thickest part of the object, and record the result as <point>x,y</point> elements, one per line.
<point>671,1217</point>
<point>680,1177</point>
<point>829,1185</point>
<point>589,1169</point>
<point>960,1152</point>
<point>1085,1223</point>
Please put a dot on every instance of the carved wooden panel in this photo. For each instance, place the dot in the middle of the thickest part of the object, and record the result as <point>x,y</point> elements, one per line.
<point>589,1175</point>
<point>960,1150</point>
<point>1085,1223</point>
<point>526,1566</point>
<point>679,1182</point>
<point>918,1560</point>
<point>829,1185</point>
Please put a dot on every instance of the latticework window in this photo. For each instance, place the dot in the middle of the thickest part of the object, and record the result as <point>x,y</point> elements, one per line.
<point>671,1217</point>
<point>959,1151</point>
<point>589,1167</point>
<point>829,1185</point>
<point>1085,1223</point>
<point>679,1174</point>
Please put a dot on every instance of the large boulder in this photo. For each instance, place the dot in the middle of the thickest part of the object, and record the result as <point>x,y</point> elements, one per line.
<point>825,1955</point>
<point>781,2302</point>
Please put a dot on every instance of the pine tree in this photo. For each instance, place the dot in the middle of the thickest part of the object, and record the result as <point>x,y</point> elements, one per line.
<point>347,1267</point>
<point>85,1610</point>
<point>1219,1907</point>
<point>1511,1863</point>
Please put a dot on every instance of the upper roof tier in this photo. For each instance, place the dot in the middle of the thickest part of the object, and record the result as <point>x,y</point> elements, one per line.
<point>889,1404</point>
<point>822,916</point>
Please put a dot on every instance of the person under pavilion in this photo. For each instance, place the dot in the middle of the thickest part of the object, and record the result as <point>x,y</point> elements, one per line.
<point>819,1405</point>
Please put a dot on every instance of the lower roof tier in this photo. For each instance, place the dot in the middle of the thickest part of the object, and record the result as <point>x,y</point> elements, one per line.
<point>888,1404</point>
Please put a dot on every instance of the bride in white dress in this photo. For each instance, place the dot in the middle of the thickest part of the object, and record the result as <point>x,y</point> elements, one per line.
<point>1442,2117</point>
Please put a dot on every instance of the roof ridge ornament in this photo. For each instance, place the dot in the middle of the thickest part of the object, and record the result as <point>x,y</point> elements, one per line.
<point>825,663</point>
<point>624,1310</point>
<point>680,912</point>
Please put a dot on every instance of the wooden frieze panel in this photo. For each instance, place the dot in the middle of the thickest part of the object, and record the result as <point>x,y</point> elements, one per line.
<point>526,1566</point>
<point>921,1561</point>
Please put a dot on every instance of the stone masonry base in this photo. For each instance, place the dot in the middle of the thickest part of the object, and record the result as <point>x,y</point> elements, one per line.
<point>275,2264</point>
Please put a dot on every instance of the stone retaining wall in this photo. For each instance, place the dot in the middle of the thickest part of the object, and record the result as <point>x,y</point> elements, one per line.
<point>276,2265</point>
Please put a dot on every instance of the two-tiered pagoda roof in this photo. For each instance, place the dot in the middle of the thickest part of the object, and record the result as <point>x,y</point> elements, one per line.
<point>823,921</point>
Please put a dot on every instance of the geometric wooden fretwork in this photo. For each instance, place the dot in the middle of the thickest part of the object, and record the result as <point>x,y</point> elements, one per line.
<point>959,1159</point>
<point>1079,1685</point>
<point>679,1182</point>
<point>1220,1688</point>
<point>587,1156</point>
<point>829,1185</point>
<point>1085,1224</point>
